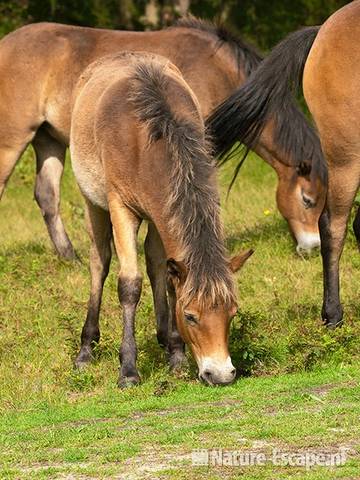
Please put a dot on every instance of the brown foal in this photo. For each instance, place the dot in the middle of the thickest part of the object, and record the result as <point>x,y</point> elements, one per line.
<point>138,151</point>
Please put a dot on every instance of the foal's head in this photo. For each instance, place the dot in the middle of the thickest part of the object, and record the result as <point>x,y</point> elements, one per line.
<point>204,324</point>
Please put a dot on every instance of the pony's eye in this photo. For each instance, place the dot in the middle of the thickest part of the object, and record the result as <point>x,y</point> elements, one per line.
<point>191,319</point>
<point>307,201</point>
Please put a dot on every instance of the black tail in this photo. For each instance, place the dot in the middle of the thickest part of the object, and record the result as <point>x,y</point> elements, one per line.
<point>268,94</point>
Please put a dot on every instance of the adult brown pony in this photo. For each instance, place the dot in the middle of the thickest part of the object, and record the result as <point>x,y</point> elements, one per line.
<point>327,59</point>
<point>138,152</point>
<point>41,63</point>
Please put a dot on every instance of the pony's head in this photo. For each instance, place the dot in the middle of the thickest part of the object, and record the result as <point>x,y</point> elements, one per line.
<point>204,324</point>
<point>300,198</point>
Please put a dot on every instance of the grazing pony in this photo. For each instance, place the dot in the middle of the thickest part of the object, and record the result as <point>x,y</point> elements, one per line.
<point>138,152</point>
<point>41,63</point>
<point>241,118</point>
<point>327,60</point>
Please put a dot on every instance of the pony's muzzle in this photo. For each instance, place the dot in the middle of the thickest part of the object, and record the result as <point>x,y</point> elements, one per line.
<point>306,242</point>
<point>217,373</point>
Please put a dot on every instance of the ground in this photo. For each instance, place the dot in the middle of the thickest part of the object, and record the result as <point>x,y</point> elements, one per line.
<point>298,388</point>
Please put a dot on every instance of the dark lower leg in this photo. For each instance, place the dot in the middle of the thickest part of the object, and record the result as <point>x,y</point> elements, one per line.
<point>332,312</point>
<point>129,290</point>
<point>156,270</point>
<point>90,334</point>
<point>343,183</point>
<point>356,227</point>
<point>176,345</point>
<point>100,256</point>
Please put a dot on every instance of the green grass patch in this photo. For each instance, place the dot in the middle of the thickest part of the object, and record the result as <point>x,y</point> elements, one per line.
<point>298,388</point>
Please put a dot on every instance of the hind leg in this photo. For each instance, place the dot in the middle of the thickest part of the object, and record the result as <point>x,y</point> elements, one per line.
<point>99,227</point>
<point>356,227</point>
<point>50,158</point>
<point>342,188</point>
<point>156,270</point>
<point>9,156</point>
<point>125,227</point>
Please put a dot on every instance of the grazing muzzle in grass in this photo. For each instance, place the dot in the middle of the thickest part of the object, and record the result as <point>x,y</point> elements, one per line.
<point>307,241</point>
<point>204,323</point>
<point>301,200</point>
<point>216,372</point>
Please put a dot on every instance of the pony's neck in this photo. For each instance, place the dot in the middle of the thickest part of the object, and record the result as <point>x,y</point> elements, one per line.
<point>218,83</point>
<point>171,245</point>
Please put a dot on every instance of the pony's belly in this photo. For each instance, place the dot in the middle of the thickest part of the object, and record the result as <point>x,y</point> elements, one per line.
<point>90,177</point>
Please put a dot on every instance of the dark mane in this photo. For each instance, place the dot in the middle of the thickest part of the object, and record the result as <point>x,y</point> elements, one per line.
<point>192,211</point>
<point>246,55</point>
<point>234,120</point>
<point>268,96</point>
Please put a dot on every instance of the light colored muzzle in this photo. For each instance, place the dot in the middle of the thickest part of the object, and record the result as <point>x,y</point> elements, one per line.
<point>215,372</point>
<point>307,241</point>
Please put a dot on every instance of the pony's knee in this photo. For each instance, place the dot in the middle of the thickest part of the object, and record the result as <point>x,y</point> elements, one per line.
<point>129,290</point>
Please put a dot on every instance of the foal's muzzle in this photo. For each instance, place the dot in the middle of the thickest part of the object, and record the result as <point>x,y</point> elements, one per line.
<point>217,373</point>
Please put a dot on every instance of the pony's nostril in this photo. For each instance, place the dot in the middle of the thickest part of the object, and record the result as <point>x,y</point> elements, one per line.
<point>233,372</point>
<point>207,376</point>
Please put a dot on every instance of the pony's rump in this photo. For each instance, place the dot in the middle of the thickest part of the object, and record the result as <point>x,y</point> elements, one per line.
<point>268,96</point>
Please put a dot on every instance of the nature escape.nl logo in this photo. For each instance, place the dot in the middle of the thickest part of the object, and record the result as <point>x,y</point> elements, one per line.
<point>237,458</point>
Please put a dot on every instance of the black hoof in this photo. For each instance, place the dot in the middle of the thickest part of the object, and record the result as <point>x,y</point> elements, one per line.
<point>178,363</point>
<point>83,359</point>
<point>332,324</point>
<point>126,382</point>
<point>162,339</point>
<point>332,316</point>
<point>68,253</point>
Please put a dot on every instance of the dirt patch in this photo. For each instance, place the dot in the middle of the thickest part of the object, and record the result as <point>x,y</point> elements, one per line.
<point>323,390</point>
<point>154,461</point>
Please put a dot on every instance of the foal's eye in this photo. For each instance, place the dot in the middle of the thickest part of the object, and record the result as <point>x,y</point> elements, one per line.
<point>191,319</point>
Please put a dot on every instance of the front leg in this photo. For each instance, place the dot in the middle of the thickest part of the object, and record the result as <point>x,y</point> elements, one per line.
<point>156,270</point>
<point>129,290</point>
<point>125,228</point>
<point>176,345</point>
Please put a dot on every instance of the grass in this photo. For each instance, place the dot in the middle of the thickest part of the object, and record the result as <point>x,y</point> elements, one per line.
<point>299,387</point>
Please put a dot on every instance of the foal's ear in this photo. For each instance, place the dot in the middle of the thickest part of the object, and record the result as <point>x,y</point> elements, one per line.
<point>176,270</point>
<point>238,261</point>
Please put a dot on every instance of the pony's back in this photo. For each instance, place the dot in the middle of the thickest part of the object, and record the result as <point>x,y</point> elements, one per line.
<point>123,102</point>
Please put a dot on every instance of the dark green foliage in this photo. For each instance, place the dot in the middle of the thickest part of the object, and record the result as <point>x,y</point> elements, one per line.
<point>264,22</point>
<point>267,22</point>
<point>248,343</point>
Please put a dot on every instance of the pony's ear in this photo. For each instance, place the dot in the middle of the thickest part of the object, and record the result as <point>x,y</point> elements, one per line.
<point>238,261</point>
<point>176,270</point>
